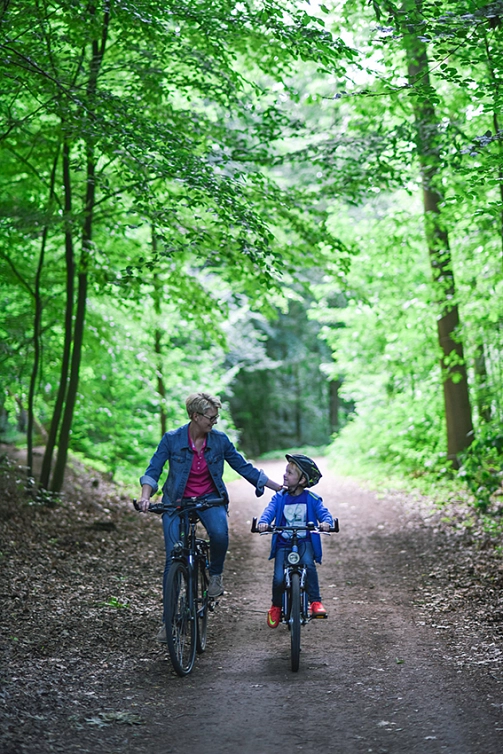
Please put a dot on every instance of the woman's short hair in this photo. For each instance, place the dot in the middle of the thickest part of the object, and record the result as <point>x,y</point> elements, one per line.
<point>199,403</point>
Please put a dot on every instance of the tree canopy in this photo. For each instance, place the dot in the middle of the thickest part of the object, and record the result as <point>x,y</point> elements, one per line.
<point>300,207</point>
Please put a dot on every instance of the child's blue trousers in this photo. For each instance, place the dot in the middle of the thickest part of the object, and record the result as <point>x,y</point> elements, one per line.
<point>306,557</point>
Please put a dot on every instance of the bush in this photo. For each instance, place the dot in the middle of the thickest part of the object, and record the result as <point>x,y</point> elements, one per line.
<point>399,434</point>
<point>482,467</point>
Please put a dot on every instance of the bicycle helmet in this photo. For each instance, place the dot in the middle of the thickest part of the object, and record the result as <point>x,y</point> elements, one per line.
<point>306,466</point>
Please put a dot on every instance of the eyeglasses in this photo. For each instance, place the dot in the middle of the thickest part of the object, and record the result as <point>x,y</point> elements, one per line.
<point>211,419</point>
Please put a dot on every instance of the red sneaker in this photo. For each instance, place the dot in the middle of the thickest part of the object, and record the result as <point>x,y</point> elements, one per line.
<point>317,609</point>
<point>273,616</point>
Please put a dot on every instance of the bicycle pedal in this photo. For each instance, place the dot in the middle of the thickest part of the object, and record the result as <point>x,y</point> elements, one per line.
<point>319,617</point>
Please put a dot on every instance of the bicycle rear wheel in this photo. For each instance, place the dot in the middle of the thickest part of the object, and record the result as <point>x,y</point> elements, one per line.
<point>295,620</point>
<point>201,606</point>
<point>179,616</point>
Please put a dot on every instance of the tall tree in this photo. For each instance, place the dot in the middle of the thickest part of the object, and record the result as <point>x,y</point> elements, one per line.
<point>59,403</point>
<point>98,47</point>
<point>37,322</point>
<point>389,122</point>
<point>455,382</point>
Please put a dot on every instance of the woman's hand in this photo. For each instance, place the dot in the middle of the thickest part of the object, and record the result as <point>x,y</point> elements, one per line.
<point>144,501</point>
<point>143,504</point>
<point>263,527</point>
<point>274,485</point>
<point>324,526</point>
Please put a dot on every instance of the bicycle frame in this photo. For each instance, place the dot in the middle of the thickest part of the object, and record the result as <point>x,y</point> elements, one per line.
<point>288,570</point>
<point>186,548</point>
<point>190,549</point>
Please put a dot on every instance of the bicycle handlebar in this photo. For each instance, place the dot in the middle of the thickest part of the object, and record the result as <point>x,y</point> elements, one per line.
<point>186,504</point>
<point>311,526</point>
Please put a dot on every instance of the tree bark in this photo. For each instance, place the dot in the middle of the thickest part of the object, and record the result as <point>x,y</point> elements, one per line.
<point>161,388</point>
<point>455,383</point>
<point>78,330</point>
<point>37,322</point>
<point>492,66</point>
<point>334,386</point>
<point>298,403</point>
<point>67,346</point>
<point>483,392</point>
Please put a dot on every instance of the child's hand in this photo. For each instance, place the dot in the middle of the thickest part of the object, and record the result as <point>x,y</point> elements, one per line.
<point>325,526</point>
<point>263,527</point>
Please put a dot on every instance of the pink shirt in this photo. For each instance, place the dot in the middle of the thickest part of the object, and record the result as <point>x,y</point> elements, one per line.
<point>199,481</point>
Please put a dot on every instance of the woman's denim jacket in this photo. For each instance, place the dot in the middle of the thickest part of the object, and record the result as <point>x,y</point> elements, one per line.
<point>174,448</point>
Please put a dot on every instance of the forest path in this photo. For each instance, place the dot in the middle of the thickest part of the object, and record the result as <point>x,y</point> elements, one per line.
<point>374,677</point>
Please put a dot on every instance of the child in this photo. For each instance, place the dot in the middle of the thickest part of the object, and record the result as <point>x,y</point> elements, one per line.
<point>295,506</point>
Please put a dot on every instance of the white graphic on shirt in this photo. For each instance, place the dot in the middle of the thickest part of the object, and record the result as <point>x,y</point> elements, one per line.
<point>295,515</point>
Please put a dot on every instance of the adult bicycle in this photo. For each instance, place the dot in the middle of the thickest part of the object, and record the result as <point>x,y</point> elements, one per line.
<point>294,609</point>
<point>186,600</point>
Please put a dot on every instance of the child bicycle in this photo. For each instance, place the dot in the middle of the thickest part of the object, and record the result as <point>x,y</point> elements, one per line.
<point>294,610</point>
<point>186,600</point>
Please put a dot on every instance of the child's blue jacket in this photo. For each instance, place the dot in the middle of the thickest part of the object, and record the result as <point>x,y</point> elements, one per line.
<point>316,512</point>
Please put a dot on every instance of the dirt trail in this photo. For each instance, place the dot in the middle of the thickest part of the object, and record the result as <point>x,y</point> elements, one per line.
<point>375,677</point>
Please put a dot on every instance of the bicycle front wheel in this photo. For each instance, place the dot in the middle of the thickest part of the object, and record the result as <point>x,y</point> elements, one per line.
<point>295,620</point>
<point>202,606</point>
<point>179,616</point>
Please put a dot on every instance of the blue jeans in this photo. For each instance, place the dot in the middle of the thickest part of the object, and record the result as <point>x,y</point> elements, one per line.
<point>214,521</point>
<point>306,558</point>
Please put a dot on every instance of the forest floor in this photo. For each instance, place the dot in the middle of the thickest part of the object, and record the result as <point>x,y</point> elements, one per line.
<point>409,661</point>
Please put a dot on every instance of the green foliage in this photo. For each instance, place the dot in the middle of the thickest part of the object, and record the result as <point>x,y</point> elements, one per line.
<point>279,396</point>
<point>136,154</point>
<point>379,323</point>
<point>228,147</point>
<point>400,434</point>
<point>482,467</point>
<point>116,420</point>
<point>115,602</point>
<point>307,450</point>
<point>380,318</point>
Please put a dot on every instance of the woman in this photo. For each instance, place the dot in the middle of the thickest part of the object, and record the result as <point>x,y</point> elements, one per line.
<point>196,453</point>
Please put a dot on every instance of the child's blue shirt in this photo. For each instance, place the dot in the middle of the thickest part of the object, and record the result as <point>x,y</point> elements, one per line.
<point>315,512</point>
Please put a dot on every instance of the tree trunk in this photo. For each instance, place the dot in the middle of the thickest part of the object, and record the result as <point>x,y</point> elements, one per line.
<point>455,384</point>
<point>161,388</point>
<point>78,330</point>
<point>492,66</point>
<point>67,346</point>
<point>334,386</point>
<point>98,51</point>
<point>483,391</point>
<point>37,322</point>
<point>297,409</point>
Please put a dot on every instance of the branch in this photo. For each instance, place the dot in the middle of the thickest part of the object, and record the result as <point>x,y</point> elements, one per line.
<point>26,118</point>
<point>17,274</point>
<point>25,162</point>
<point>419,78</point>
